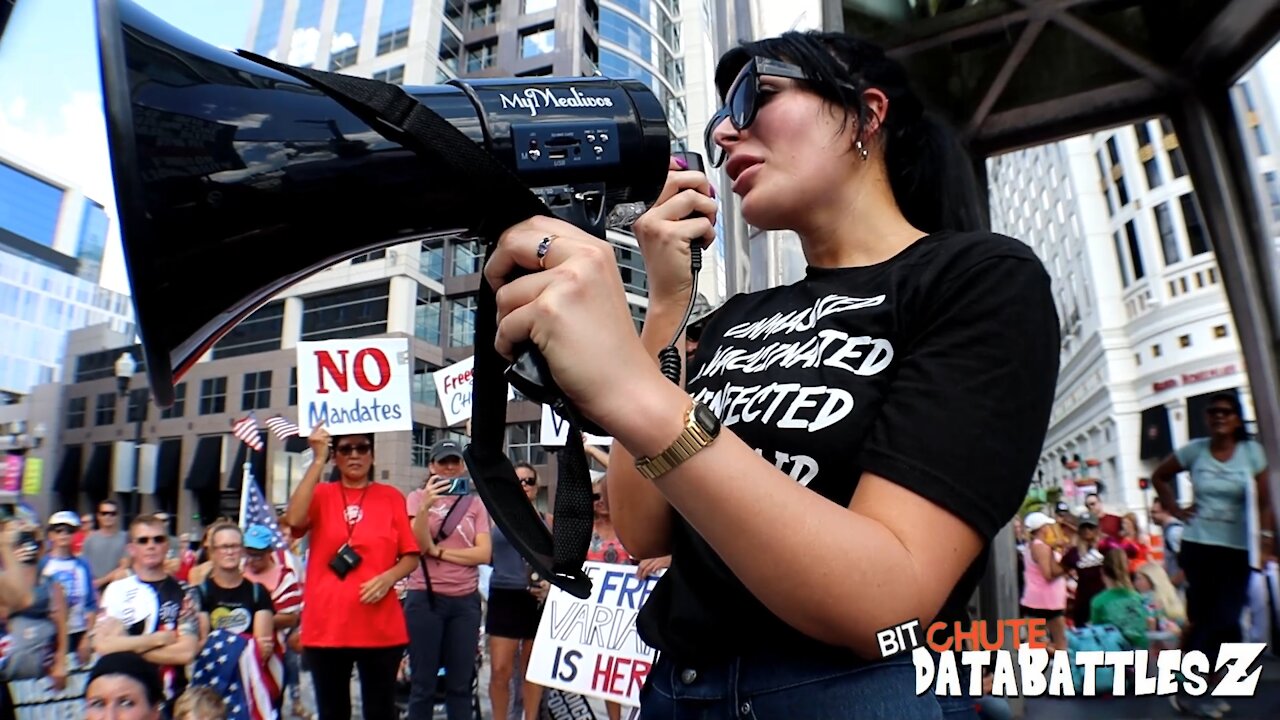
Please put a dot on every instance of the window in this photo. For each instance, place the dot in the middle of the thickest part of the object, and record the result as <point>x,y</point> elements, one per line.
<point>467,257</point>
<point>426,316</point>
<point>484,13</point>
<point>378,254</point>
<point>29,206</point>
<point>395,76</point>
<point>462,322</point>
<point>1184,341</point>
<point>1177,163</point>
<point>631,266</point>
<point>77,408</point>
<point>105,409</point>
<point>393,26</point>
<point>431,259</point>
<point>538,41</point>
<point>260,332</point>
<point>423,387</point>
<point>1220,331</point>
<point>535,6</point>
<point>256,394</point>
<point>523,443</point>
<point>1122,191</point>
<point>293,386</point>
<point>213,396</point>
<point>1197,237</point>
<point>1135,250</point>
<point>343,59</point>
<point>1156,351</point>
<point>481,57</point>
<point>1125,278</point>
<point>637,316</point>
<point>1168,237</point>
<point>346,34</point>
<point>179,406</point>
<point>268,35</point>
<point>348,313</point>
<point>423,438</point>
<point>138,401</point>
<point>1144,135</point>
<point>1113,151</point>
<point>1272,182</point>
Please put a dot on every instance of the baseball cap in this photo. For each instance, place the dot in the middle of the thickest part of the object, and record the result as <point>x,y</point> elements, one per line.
<point>1088,519</point>
<point>445,449</point>
<point>1062,507</point>
<point>64,517</point>
<point>1036,520</point>
<point>257,537</point>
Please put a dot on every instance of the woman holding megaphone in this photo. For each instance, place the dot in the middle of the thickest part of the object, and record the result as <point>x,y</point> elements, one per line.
<point>852,442</point>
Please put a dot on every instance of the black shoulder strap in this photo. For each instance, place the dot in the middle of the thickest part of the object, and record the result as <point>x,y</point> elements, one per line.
<point>557,554</point>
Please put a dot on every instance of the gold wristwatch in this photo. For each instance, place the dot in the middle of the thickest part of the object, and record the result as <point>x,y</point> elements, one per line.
<point>701,426</point>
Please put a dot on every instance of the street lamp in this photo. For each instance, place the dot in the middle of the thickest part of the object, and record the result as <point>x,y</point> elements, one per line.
<point>125,368</point>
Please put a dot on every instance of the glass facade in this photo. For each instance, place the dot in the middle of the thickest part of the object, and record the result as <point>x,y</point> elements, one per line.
<point>304,43</point>
<point>344,48</point>
<point>29,206</point>
<point>641,39</point>
<point>38,305</point>
<point>93,240</point>
<point>267,37</point>
<point>393,25</point>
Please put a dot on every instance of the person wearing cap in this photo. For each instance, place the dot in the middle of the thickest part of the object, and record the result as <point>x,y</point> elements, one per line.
<point>1045,592</point>
<point>442,605</point>
<point>123,686</point>
<point>75,577</point>
<point>1084,560</point>
<point>261,566</point>
<point>361,545</point>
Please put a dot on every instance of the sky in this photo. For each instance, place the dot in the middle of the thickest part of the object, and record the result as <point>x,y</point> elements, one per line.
<point>51,114</point>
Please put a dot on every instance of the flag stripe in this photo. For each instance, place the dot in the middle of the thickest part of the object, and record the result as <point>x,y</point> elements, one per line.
<point>282,428</point>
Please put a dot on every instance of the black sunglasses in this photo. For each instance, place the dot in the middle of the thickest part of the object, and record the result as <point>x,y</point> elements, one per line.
<point>742,102</point>
<point>361,449</point>
<point>62,529</point>
<point>108,513</point>
<point>148,539</point>
<point>528,482</point>
<point>1220,412</point>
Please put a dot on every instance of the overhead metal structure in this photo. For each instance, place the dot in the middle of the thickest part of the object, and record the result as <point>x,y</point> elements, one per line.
<point>1016,73</point>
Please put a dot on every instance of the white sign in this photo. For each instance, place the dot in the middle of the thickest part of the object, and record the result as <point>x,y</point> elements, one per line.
<point>122,465</point>
<point>591,647</point>
<point>454,385</point>
<point>555,431</point>
<point>355,386</point>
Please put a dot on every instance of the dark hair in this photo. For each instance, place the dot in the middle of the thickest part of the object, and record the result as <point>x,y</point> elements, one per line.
<point>529,467</point>
<point>108,501</point>
<point>336,474</point>
<point>1233,400</point>
<point>929,171</point>
<point>130,665</point>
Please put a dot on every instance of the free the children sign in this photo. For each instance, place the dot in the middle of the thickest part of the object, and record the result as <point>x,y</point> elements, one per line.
<point>591,647</point>
<point>355,386</point>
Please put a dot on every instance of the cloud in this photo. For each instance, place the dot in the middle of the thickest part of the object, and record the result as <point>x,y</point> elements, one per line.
<point>304,44</point>
<point>342,41</point>
<point>70,147</point>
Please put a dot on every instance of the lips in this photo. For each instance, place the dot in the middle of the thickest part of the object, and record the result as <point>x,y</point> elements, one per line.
<point>737,165</point>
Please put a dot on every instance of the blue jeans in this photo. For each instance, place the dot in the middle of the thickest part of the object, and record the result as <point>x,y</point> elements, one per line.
<point>790,688</point>
<point>444,632</point>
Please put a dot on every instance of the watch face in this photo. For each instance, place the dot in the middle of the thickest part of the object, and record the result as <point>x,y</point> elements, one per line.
<point>705,418</point>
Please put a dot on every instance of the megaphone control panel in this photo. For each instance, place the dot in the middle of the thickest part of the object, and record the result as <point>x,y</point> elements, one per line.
<point>550,146</point>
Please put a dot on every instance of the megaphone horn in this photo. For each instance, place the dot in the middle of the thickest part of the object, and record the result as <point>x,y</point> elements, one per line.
<point>233,180</point>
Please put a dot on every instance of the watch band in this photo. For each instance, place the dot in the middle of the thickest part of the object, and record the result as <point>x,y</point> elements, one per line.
<point>695,437</point>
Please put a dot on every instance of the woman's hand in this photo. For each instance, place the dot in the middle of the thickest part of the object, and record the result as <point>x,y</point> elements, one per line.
<point>58,673</point>
<point>652,566</point>
<point>665,234</point>
<point>319,442</point>
<point>374,590</point>
<point>572,311</point>
<point>1185,514</point>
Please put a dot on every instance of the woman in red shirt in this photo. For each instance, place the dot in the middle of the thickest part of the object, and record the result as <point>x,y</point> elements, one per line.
<point>361,546</point>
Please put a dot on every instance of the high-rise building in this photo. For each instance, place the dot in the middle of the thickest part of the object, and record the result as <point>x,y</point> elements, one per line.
<point>1147,333</point>
<point>424,290</point>
<point>52,239</point>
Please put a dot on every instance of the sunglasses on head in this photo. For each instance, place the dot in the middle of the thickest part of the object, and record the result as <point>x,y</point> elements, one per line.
<point>357,449</point>
<point>742,102</point>
<point>150,539</point>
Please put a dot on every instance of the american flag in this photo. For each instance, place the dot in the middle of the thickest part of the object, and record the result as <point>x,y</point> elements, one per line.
<point>282,428</point>
<point>247,430</point>
<point>257,512</point>
<point>229,664</point>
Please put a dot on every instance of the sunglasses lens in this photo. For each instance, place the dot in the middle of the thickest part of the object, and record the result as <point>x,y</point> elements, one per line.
<point>742,100</point>
<point>361,449</point>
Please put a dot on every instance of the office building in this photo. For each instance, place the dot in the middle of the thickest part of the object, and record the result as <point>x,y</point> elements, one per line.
<point>52,239</point>
<point>1147,333</point>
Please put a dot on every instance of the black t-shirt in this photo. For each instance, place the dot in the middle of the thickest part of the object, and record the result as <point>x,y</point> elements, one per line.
<point>934,369</point>
<point>144,607</point>
<point>232,609</point>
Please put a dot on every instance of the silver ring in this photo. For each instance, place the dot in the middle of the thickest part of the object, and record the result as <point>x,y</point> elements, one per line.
<point>543,246</point>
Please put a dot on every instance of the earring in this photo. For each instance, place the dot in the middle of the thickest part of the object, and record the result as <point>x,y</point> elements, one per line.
<point>862,149</point>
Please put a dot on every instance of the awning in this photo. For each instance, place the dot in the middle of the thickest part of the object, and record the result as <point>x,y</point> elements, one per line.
<point>257,465</point>
<point>296,444</point>
<point>66,484</point>
<point>207,464</point>
<point>168,465</point>
<point>1157,439</point>
<point>1197,426</point>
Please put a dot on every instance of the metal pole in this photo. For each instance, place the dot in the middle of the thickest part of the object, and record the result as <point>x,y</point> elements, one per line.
<point>137,454</point>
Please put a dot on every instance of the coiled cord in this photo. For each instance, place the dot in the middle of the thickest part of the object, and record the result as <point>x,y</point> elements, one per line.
<point>669,360</point>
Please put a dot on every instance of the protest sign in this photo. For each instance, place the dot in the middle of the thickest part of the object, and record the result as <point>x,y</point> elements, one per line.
<point>453,387</point>
<point>355,386</point>
<point>591,647</point>
<point>555,431</point>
